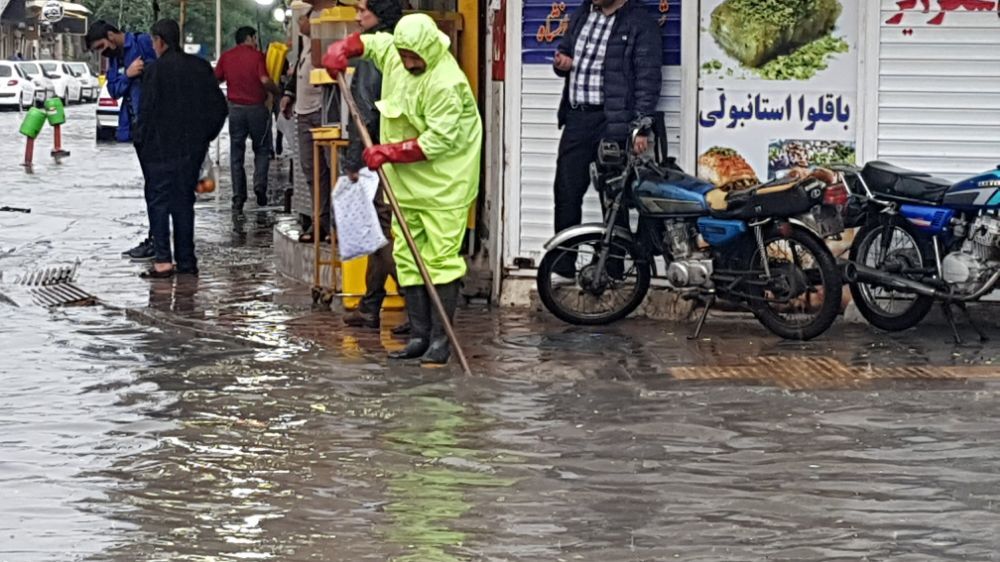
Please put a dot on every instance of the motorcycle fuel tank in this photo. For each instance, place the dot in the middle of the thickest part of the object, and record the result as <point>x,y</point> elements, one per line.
<point>978,192</point>
<point>675,194</point>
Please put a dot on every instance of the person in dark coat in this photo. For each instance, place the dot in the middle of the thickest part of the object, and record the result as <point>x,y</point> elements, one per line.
<point>182,112</point>
<point>366,86</point>
<point>128,55</point>
<point>611,58</point>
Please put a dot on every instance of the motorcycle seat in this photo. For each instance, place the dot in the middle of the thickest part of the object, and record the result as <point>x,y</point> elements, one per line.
<point>895,182</point>
<point>777,198</point>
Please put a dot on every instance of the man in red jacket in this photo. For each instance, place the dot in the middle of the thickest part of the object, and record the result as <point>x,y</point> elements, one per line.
<point>245,73</point>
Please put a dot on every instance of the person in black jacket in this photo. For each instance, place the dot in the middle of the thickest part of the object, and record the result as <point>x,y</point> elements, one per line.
<point>373,16</point>
<point>181,112</point>
<point>611,58</point>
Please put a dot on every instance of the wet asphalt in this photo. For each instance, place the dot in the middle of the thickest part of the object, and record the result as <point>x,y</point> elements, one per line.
<point>226,419</point>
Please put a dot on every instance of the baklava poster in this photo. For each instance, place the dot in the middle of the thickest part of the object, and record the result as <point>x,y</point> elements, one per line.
<point>779,41</point>
<point>778,83</point>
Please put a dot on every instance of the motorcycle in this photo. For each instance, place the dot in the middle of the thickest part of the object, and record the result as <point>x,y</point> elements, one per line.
<point>921,240</point>
<point>762,247</point>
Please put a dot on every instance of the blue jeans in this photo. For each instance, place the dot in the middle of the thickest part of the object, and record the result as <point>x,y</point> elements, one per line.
<point>170,196</point>
<point>252,121</point>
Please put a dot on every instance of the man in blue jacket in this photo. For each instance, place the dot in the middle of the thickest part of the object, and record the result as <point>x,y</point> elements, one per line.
<point>611,58</point>
<point>128,55</point>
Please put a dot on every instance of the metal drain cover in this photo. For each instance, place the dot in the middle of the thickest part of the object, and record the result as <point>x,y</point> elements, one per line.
<point>48,287</point>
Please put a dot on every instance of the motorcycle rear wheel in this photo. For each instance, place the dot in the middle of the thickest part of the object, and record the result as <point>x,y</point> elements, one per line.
<point>593,298</point>
<point>802,266</point>
<point>905,248</point>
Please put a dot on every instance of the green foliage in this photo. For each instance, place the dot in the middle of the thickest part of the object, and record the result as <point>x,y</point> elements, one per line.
<point>137,15</point>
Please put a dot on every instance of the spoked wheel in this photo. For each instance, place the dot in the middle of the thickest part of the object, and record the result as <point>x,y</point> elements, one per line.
<point>901,254</point>
<point>802,297</point>
<point>572,287</point>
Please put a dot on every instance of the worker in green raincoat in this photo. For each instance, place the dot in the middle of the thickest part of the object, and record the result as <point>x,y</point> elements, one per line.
<point>432,137</point>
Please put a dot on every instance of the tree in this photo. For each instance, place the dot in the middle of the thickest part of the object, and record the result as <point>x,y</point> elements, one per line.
<point>199,22</point>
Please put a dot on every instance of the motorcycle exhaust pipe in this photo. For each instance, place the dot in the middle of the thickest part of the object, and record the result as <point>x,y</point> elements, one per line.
<point>855,273</point>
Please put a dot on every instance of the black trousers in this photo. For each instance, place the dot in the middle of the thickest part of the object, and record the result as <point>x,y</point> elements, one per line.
<point>170,197</point>
<point>581,137</point>
<point>381,264</point>
<point>577,149</point>
<point>145,190</point>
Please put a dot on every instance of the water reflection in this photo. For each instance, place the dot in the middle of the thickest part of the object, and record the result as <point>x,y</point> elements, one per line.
<point>427,496</point>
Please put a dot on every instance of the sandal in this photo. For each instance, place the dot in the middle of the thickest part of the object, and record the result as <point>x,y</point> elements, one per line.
<point>152,273</point>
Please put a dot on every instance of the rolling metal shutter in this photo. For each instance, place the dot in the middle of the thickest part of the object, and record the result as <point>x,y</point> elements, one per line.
<point>541,91</point>
<point>939,86</point>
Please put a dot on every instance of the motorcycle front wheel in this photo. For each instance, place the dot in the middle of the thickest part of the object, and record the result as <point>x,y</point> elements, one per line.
<point>573,289</point>
<point>802,297</point>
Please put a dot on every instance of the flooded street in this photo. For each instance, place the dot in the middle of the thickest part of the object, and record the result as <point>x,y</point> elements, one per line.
<point>223,419</point>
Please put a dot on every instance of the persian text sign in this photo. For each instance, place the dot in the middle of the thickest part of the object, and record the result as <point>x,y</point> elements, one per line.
<point>545,22</point>
<point>778,83</point>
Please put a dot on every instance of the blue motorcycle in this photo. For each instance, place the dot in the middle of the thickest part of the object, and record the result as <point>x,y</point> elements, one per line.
<point>921,240</point>
<point>761,247</point>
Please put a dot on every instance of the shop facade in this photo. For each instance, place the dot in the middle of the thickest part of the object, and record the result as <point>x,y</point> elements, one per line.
<point>912,82</point>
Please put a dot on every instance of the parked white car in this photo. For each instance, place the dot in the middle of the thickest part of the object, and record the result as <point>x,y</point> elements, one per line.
<point>44,88</point>
<point>107,115</point>
<point>90,86</point>
<point>67,86</point>
<point>16,89</point>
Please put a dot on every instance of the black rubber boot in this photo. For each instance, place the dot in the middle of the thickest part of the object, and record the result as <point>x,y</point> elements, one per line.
<point>418,309</point>
<point>440,349</point>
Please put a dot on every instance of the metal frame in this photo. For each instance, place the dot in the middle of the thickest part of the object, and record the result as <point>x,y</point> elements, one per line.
<point>318,262</point>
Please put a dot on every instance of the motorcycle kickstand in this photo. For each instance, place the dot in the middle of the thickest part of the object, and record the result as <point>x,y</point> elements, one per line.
<point>968,317</point>
<point>704,316</point>
<point>950,317</point>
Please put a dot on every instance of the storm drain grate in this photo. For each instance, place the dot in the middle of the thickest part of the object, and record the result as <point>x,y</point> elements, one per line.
<point>52,287</point>
<point>812,373</point>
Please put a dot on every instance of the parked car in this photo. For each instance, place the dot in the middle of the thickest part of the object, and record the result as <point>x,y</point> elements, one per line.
<point>16,89</point>
<point>107,115</point>
<point>67,86</point>
<point>90,86</point>
<point>44,88</point>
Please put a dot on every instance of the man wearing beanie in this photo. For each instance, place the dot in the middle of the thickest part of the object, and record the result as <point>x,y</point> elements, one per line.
<point>374,16</point>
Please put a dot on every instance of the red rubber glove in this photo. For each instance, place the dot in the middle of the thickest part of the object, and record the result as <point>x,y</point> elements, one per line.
<point>399,153</point>
<point>335,60</point>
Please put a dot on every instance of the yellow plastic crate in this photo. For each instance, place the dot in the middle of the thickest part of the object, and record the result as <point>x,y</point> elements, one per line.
<point>354,286</point>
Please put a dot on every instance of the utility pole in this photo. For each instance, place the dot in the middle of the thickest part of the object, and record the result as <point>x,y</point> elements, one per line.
<point>218,29</point>
<point>183,13</point>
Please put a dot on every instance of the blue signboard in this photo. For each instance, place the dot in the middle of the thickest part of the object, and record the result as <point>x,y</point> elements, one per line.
<point>544,22</point>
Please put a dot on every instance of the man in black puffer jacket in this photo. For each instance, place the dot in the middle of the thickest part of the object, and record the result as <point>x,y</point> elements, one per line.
<point>611,57</point>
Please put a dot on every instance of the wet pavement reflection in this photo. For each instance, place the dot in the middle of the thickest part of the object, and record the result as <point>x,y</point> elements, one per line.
<point>224,419</point>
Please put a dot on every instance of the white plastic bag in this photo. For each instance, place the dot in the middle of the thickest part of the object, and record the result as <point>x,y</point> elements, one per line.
<point>358,230</point>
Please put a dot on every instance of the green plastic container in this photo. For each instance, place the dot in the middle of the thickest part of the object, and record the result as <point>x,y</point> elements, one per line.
<point>34,122</point>
<point>57,113</point>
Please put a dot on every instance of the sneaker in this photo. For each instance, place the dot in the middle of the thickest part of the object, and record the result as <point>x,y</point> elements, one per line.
<point>262,199</point>
<point>142,252</point>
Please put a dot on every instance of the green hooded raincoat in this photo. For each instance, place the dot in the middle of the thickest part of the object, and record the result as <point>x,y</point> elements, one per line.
<point>438,109</point>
